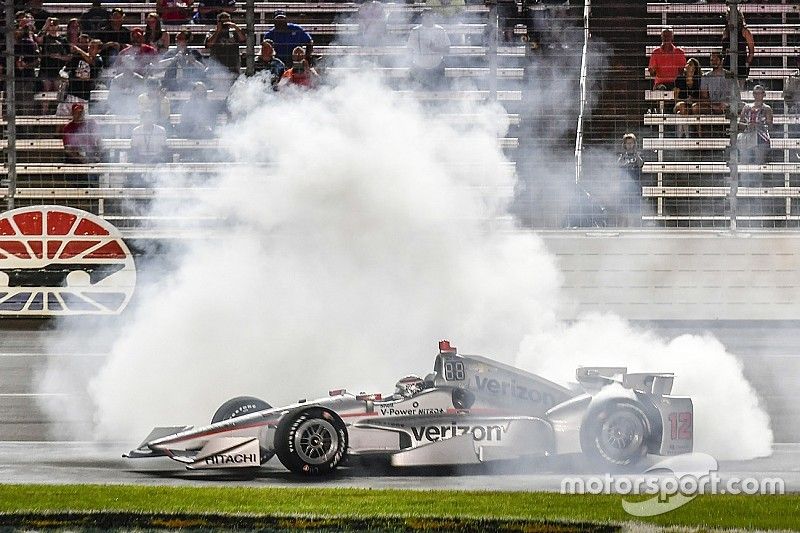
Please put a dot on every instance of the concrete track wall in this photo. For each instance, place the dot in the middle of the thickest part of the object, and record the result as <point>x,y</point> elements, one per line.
<point>743,289</point>
<point>680,275</point>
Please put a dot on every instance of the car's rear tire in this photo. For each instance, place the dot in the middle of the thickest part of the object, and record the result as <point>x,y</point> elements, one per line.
<point>312,442</point>
<point>615,435</point>
<point>240,406</point>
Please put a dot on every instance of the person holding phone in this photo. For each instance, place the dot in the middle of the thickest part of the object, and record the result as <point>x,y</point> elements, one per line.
<point>54,53</point>
<point>223,43</point>
<point>26,59</point>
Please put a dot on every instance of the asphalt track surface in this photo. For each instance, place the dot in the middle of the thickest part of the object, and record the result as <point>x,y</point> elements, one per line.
<point>74,462</point>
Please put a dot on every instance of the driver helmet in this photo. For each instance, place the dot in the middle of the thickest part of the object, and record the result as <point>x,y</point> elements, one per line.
<point>409,386</point>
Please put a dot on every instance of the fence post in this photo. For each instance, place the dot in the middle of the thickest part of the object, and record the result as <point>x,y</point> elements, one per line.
<point>250,21</point>
<point>11,105</point>
<point>494,36</point>
<point>733,53</point>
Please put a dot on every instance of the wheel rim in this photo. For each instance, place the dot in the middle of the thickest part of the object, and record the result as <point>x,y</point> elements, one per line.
<point>316,441</point>
<point>622,434</point>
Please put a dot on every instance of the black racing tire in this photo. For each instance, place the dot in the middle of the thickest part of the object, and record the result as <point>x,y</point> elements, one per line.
<point>615,434</point>
<point>312,442</point>
<point>240,406</point>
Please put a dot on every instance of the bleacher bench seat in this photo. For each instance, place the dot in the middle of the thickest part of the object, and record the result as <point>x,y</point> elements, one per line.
<point>172,143</point>
<point>717,167</point>
<point>710,144</point>
<point>775,9</point>
<point>659,119</point>
<point>718,29</point>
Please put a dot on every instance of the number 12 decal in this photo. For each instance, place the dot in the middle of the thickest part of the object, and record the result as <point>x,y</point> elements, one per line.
<point>680,425</point>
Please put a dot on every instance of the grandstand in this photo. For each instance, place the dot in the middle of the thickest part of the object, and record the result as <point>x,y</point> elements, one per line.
<point>563,143</point>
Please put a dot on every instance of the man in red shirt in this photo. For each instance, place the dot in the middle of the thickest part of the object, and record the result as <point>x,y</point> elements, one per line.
<point>143,53</point>
<point>666,62</point>
<point>300,73</point>
<point>81,138</point>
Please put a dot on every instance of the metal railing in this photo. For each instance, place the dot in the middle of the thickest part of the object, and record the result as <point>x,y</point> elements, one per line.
<point>681,180</point>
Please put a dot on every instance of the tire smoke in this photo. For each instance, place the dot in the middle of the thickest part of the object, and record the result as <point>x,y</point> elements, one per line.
<point>729,422</point>
<point>375,229</point>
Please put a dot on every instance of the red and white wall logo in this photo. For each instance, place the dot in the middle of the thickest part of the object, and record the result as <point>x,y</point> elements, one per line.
<point>61,261</point>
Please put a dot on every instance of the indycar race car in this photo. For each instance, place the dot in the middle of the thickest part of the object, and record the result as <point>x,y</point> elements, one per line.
<point>470,410</point>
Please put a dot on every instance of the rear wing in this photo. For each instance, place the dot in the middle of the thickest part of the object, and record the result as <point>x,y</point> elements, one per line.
<point>596,377</point>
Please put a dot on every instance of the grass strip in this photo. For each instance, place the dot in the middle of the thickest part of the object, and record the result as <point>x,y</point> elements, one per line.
<point>705,511</point>
<point>115,520</point>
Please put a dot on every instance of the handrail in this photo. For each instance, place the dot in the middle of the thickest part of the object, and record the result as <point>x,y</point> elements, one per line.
<point>587,9</point>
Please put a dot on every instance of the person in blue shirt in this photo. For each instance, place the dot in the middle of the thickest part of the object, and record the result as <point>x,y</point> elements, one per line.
<point>286,35</point>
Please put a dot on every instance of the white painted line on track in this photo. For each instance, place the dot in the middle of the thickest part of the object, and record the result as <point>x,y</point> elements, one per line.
<point>45,354</point>
<point>32,394</point>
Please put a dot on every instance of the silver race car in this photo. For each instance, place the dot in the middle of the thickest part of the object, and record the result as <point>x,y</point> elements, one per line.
<point>469,410</point>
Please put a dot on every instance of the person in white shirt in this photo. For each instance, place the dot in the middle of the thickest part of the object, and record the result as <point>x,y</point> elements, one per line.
<point>148,141</point>
<point>428,44</point>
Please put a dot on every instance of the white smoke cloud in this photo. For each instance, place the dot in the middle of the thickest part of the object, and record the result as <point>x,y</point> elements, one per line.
<point>373,233</point>
<point>364,242</point>
<point>729,422</point>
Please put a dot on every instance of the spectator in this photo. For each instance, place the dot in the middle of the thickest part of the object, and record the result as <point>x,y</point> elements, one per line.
<point>81,138</point>
<point>687,93</point>
<point>300,74</point>
<point>371,18</point>
<point>208,11</point>
<point>94,19</point>
<point>272,67</point>
<point>666,62</point>
<point>148,142</point>
<point>285,36</point>
<point>39,14</point>
<point>114,35</point>
<point>174,11</point>
<point>84,68</point>
<point>154,103</point>
<point>154,34</point>
<point>450,11</point>
<point>507,16</point>
<point>26,59</point>
<point>630,160</point>
<point>125,88</point>
<point>428,44</point>
<point>24,20</point>
<point>716,87</point>
<point>223,43</point>
<point>54,53</point>
<point>630,163</point>
<point>74,31</point>
<point>199,115</point>
<point>791,95</point>
<point>756,121</point>
<point>142,53</point>
<point>745,48</point>
<point>791,90</point>
<point>183,67</point>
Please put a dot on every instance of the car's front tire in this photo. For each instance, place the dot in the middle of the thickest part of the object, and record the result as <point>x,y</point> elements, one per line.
<point>312,442</point>
<point>615,434</point>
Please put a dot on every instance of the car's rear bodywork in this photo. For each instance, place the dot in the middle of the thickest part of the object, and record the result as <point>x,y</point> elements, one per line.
<point>472,410</point>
